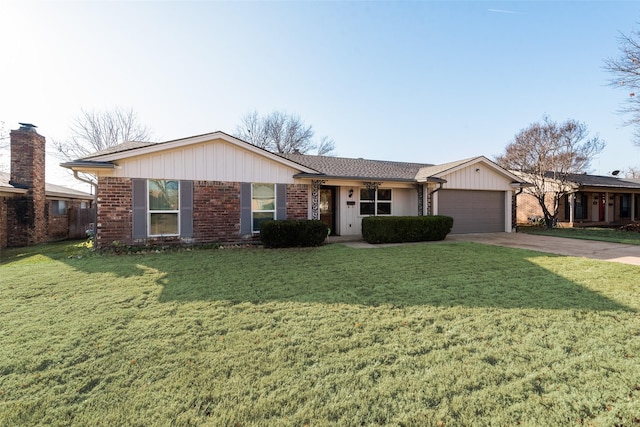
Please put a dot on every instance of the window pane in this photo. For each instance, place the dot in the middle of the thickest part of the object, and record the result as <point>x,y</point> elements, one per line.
<point>366,208</point>
<point>264,197</point>
<point>384,208</point>
<point>384,194</point>
<point>259,217</point>
<point>163,195</point>
<point>164,224</point>
<point>366,194</point>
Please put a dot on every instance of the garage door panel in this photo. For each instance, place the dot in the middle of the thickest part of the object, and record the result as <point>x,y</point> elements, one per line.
<point>473,211</point>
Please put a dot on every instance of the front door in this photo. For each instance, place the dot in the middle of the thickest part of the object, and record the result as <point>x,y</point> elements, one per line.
<point>327,207</point>
<point>603,206</point>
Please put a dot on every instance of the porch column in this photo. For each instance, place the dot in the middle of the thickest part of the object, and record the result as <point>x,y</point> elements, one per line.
<point>606,207</point>
<point>633,207</point>
<point>420,190</point>
<point>315,198</point>
<point>572,205</point>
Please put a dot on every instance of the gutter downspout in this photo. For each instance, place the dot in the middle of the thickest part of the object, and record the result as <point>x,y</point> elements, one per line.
<point>95,200</point>
<point>515,209</point>
<point>440,184</point>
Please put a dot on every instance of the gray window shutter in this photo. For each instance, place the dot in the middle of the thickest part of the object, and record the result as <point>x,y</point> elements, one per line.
<point>245,208</point>
<point>139,196</point>
<point>281,201</point>
<point>186,208</point>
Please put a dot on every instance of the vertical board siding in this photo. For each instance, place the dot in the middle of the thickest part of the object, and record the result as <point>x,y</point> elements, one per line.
<point>211,161</point>
<point>484,179</point>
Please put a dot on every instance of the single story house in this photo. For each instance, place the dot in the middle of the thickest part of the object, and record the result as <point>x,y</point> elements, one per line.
<point>591,200</point>
<point>33,211</point>
<point>218,188</point>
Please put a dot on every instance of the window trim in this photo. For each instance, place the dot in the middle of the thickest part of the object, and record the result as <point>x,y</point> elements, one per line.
<point>375,202</point>
<point>163,211</point>
<point>275,204</point>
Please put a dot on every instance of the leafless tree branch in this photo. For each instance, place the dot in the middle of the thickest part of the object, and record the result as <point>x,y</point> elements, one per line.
<point>94,131</point>
<point>548,153</point>
<point>280,132</point>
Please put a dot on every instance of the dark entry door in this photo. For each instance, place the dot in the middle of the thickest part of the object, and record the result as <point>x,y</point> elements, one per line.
<point>327,207</point>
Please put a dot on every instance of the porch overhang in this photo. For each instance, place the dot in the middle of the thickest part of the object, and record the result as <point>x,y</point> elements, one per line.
<point>324,177</point>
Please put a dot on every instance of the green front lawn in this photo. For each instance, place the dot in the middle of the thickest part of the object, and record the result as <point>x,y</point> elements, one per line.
<point>601,234</point>
<point>440,334</point>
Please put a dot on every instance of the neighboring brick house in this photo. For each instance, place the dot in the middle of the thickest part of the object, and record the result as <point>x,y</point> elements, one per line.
<point>218,188</point>
<point>592,200</point>
<point>31,210</point>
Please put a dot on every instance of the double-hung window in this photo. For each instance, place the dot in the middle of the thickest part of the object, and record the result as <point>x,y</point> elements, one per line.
<point>263,204</point>
<point>375,202</point>
<point>164,207</point>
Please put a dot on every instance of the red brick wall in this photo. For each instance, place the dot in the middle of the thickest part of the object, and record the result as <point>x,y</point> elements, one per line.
<point>58,225</point>
<point>114,211</point>
<point>28,171</point>
<point>216,211</point>
<point>297,201</point>
<point>3,222</point>
<point>528,206</point>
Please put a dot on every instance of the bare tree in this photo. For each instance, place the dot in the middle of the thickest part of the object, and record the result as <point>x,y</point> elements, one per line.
<point>326,146</point>
<point>281,133</point>
<point>632,172</point>
<point>94,131</point>
<point>547,153</point>
<point>626,75</point>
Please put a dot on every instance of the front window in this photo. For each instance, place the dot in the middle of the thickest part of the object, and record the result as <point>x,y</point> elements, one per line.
<point>164,207</point>
<point>263,204</point>
<point>625,206</point>
<point>375,202</point>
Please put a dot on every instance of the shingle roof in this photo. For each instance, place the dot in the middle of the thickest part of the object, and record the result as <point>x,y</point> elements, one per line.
<point>600,181</point>
<point>49,189</point>
<point>125,146</point>
<point>358,168</point>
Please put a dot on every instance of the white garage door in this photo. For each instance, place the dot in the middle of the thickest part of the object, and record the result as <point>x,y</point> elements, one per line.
<point>473,211</point>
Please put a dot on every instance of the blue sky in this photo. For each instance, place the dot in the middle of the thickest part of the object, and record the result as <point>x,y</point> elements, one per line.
<point>409,81</point>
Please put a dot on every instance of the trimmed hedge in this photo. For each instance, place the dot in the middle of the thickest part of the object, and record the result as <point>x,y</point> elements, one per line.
<point>398,229</point>
<point>287,233</point>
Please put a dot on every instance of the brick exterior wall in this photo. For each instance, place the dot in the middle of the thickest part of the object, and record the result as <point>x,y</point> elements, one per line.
<point>216,211</point>
<point>297,201</point>
<point>3,222</point>
<point>114,200</point>
<point>528,206</point>
<point>27,221</point>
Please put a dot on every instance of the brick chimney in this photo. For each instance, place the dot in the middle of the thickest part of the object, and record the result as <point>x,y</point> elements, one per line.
<point>28,225</point>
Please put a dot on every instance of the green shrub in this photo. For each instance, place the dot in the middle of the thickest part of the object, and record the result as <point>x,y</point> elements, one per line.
<point>291,233</point>
<point>397,229</point>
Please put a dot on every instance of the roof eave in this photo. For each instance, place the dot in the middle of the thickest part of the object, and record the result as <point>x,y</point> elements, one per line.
<point>351,178</point>
<point>81,165</point>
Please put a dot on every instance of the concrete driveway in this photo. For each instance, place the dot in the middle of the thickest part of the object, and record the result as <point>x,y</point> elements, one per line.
<point>616,252</point>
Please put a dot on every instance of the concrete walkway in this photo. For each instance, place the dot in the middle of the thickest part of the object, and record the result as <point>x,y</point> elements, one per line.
<point>615,252</point>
